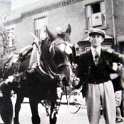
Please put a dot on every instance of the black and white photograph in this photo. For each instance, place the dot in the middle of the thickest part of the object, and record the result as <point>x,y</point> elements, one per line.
<point>61,61</point>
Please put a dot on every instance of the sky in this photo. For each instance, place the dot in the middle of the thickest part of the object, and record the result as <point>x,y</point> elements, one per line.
<point>20,3</point>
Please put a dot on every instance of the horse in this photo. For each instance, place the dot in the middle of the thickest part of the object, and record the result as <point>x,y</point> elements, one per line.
<point>41,81</point>
<point>121,73</point>
<point>118,83</point>
<point>6,107</point>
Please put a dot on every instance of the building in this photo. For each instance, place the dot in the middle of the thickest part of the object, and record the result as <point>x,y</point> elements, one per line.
<point>27,17</point>
<point>5,7</point>
<point>119,27</point>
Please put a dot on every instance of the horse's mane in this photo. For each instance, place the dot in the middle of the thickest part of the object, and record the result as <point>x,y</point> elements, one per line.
<point>46,58</point>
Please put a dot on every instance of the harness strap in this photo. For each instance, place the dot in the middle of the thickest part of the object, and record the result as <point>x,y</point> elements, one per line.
<point>36,55</point>
<point>34,43</point>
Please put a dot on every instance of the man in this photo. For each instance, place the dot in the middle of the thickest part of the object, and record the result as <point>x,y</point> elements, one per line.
<point>118,87</point>
<point>118,98</point>
<point>94,68</point>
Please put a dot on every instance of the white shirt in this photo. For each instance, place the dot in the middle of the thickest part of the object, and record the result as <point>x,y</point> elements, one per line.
<point>95,51</point>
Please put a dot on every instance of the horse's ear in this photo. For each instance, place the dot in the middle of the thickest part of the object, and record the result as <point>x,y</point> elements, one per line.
<point>68,30</point>
<point>50,34</point>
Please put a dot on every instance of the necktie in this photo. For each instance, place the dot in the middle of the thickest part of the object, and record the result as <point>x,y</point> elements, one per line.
<point>96,58</point>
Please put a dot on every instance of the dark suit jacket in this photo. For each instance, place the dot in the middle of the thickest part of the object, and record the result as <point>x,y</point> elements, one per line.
<point>88,72</point>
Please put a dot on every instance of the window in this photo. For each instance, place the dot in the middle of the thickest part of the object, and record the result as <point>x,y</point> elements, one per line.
<point>40,25</point>
<point>95,15</point>
<point>11,38</point>
<point>96,8</point>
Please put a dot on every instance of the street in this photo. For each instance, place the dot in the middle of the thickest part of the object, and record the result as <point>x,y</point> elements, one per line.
<point>64,115</point>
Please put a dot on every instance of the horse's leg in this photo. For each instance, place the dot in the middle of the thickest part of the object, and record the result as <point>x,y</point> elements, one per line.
<point>19,100</point>
<point>34,110</point>
<point>53,113</point>
<point>7,111</point>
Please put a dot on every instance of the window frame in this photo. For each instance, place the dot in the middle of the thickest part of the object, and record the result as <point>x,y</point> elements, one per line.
<point>89,14</point>
<point>36,30</point>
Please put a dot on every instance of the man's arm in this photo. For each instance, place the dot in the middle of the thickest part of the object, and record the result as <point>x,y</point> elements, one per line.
<point>115,56</point>
<point>119,59</point>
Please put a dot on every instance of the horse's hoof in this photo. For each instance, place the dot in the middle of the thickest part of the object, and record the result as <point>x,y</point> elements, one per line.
<point>16,121</point>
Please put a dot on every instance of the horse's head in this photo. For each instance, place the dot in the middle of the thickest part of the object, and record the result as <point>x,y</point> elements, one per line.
<point>14,82</point>
<point>6,86</point>
<point>9,65</point>
<point>60,51</point>
<point>64,35</point>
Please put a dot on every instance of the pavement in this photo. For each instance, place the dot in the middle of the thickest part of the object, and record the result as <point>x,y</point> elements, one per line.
<point>64,115</point>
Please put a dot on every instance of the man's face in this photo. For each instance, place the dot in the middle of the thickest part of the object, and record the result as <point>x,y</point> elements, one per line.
<point>96,40</point>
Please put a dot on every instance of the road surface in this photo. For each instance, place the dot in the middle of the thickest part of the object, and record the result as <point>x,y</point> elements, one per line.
<point>64,115</point>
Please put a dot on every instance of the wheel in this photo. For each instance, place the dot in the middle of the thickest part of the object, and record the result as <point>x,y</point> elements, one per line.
<point>74,104</point>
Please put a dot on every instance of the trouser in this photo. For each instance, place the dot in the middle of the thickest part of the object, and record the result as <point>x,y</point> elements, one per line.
<point>101,95</point>
<point>118,99</point>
